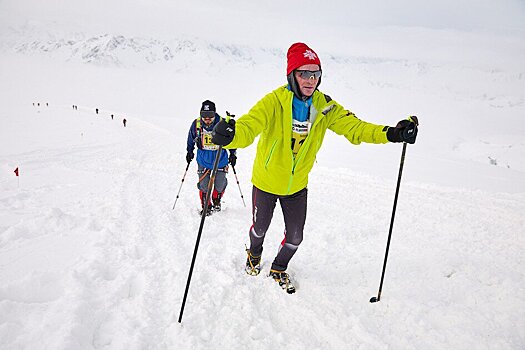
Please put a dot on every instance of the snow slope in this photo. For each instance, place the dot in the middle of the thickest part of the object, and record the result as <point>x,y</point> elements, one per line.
<point>92,256</point>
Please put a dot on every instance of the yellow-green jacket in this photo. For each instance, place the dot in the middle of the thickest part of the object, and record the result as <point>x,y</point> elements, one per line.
<point>275,169</point>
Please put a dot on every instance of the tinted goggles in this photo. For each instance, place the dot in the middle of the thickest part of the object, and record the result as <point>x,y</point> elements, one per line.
<point>309,74</point>
<point>207,114</point>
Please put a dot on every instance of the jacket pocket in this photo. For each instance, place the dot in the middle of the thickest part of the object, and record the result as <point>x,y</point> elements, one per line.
<point>269,155</point>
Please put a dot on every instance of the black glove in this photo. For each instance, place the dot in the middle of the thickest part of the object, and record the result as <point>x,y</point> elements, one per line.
<point>232,159</point>
<point>223,132</point>
<point>198,142</point>
<point>405,131</point>
<point>189,157</point>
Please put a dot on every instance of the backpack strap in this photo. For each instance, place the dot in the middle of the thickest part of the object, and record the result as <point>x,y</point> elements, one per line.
<point>198,127</point>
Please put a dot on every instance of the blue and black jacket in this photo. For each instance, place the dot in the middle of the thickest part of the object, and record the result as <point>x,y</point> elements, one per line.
<point>200,134</point>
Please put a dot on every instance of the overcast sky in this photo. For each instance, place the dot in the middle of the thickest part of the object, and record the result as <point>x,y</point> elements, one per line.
<point>463,30</point>
<point>226,16</point>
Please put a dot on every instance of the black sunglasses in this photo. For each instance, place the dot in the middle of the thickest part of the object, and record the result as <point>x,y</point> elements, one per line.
<point>308,74</point>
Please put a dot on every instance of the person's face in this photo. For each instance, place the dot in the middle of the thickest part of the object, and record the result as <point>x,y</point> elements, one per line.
<point>307,81</point>
<point>207,117</point>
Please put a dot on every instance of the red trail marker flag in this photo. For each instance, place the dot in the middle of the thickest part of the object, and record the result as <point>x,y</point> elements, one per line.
<point>16,171</point>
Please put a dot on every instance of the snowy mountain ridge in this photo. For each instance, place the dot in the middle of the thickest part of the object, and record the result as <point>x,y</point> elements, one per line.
<point>106,49</point>
<point>120,50</point>
<point>101,50</point>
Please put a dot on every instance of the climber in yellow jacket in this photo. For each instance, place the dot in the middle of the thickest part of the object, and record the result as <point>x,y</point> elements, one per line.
<point>292,121</point>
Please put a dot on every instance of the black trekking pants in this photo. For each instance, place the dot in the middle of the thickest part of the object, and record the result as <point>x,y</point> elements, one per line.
<point>294,212</point>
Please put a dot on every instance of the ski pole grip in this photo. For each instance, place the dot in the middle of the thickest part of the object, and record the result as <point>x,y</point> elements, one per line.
<point>414,120</point>
<point>229,116</point>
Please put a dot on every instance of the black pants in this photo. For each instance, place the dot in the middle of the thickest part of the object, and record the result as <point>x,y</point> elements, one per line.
<point>294,212</point>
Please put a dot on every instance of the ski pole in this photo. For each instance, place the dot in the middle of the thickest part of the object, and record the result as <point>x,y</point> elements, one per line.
<point>234,172</point>
<point>180,188</point>
<point>203,216</point>
<point>378,298</point>
<point>237,179</point>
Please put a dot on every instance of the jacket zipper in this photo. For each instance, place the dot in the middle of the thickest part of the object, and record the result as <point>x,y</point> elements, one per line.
<point>301,151</point>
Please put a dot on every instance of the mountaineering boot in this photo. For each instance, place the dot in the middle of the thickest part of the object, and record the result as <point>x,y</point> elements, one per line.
<point>216,204</point>
<point>202,195</point>
<point>253,264</point>
<point>284,281</point>
<point>216,199</point>
<point>208,212</point>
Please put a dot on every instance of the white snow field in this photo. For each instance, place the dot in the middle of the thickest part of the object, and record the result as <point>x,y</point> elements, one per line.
<point>92,256</point>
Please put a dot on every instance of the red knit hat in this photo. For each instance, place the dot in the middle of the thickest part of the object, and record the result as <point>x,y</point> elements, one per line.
<point>300,54</point>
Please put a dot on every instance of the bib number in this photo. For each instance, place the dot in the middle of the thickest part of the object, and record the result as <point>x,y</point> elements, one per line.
<point>299,134</point>
<point>206,142</point>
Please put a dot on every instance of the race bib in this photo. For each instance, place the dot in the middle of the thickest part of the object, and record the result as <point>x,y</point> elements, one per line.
<point>206,141</point>
<point>299,134</point>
